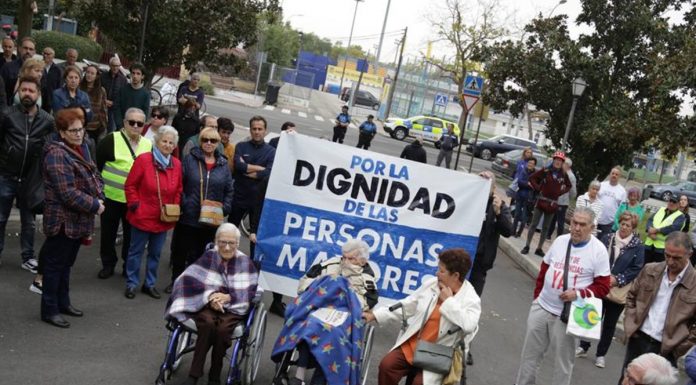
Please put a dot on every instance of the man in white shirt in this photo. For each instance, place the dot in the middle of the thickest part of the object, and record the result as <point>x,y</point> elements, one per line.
<point>611,193</point>
<point>588,271</point>
<point>661,305</point>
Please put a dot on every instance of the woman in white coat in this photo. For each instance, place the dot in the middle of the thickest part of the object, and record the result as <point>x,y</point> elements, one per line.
<point>450,307</point>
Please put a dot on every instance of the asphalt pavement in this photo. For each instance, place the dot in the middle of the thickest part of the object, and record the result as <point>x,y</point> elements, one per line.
<point>121,341</point>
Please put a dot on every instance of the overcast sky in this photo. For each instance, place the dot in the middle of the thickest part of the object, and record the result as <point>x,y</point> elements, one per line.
<point>332,19</point>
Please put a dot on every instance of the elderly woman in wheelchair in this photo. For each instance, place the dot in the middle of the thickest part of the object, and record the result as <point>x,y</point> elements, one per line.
<point>324,324</point>
<point>216,292</point>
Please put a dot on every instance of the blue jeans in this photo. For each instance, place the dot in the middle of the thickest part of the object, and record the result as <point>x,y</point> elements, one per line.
<point>520,216</point>
<point>8,191</point>
<point>154,242</point>
<point>111,124</point>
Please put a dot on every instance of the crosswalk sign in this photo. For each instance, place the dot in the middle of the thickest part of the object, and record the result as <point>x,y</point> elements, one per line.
<point>441,100</point>
<point>473,85</point>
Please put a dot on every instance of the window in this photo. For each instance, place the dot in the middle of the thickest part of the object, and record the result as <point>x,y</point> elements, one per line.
<point>436,123</point>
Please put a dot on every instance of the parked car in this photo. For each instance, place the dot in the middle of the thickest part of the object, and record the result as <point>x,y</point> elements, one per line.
<point>676,188</point>
<point>506,163</point>
<point>429,128</point>
<point>362,98</point>
<point>488,149</point>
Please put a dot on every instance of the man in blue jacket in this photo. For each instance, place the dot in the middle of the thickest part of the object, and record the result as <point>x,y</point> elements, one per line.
<point>253,161</point>
<point>368,130</point>
<point>342,123</point>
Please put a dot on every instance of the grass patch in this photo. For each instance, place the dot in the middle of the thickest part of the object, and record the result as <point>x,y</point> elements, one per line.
<point>641,174</point>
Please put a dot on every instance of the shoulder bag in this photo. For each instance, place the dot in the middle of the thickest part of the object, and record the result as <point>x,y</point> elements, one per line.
<point>168,212</point>
<point>616,294</point>
<point>211,211</point>
<point>431,356</point>
<point>566,305</point>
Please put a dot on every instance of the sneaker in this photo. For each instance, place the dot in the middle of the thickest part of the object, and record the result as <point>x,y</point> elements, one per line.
<point>525,250</point>
<point>580,352</point>
<point>599,362</point>
<point>539,252</point>
<point>36,287</point>
<point>30,265</point>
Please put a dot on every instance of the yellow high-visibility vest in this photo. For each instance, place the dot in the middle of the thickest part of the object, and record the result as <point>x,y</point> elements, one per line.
<point>116,171</point>
<point>660,222</point>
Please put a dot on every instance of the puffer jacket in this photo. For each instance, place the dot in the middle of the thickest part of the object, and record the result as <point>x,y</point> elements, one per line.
<point>22,140</point>
<point>217,185</point>
<point>629,262</point>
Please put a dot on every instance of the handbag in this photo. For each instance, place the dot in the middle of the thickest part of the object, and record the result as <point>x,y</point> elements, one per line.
<point>547,205</point>
<point>211,211</point>
<point>566,305</point>
<point>616,294</point>
<point>168,212</point>
<point>431,356</point>
<point>455,373</point>
<point>586,320</point>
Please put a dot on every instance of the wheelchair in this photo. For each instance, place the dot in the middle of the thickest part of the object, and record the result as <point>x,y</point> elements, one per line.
<point>244,357</point>
<point>289,359</point>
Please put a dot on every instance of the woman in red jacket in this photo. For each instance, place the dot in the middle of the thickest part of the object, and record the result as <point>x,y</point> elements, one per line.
<point>154,181</point>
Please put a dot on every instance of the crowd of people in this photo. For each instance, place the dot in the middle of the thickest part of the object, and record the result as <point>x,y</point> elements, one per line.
<point>76,143</point>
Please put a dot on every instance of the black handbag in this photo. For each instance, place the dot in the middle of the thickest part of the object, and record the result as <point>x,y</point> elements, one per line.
<point>431,356</point>
<point>566,305</point>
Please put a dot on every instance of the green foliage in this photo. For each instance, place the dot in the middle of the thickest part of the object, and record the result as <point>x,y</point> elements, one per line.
<point>632,61</point>
<point>188,32</point>
<point>207,87</point>
<point>60,42</point>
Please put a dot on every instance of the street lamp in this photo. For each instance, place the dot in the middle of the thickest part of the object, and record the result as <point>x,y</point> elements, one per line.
<point>297,64</point>
<point>554,8</point>
<point>578,88</point>
<point>350,39</point>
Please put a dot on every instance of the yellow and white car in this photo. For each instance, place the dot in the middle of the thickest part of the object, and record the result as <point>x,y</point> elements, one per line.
<point>429,128</point>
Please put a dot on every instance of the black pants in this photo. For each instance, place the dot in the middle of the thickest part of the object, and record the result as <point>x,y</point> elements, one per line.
<point>610,316</point>
<point>364,140</point>
<point>603,230</point>
<point>188,244</point>
<point>653,255</point>
<point>114,213</point>
<point>559,221</point>
<point>306,360</point>
<point>477,278</point>
<point>339,134</point>
<point>57,256</point>
<point>638,344</point>
<point>237,212</point>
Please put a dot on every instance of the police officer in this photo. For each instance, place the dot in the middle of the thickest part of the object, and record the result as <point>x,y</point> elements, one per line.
<point>368,130</point>
<point>342,122</point>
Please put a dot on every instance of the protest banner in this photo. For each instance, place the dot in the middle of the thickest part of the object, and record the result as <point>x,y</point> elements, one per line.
<point>321,194</point>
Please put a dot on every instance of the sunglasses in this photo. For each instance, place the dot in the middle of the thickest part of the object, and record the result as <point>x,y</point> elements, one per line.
<point>209,140</point>
<point>157,116</point>
<point>136,123</point>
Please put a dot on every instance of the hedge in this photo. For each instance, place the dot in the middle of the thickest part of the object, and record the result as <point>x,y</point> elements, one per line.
<point>60,42</point>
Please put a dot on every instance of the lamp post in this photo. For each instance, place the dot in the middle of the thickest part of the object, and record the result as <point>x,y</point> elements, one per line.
<point>350,40</point>
<point>554,8</point>
<point>578,88</point>
<point>297,64</point>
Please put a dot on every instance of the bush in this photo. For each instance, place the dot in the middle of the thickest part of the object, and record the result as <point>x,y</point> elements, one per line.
<point>207,87</point>
<point>60,42</point>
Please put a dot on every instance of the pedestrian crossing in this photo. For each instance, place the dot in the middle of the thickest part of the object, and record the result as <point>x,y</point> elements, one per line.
<point>300,114</point>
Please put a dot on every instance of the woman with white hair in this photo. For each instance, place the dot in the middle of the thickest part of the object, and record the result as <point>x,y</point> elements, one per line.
<point>153,189</point>
<point>591,199</point>
<point>649,369</point>
<point>216,291</point>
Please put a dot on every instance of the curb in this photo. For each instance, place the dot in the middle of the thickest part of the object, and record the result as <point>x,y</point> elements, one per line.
<point>223,99</point>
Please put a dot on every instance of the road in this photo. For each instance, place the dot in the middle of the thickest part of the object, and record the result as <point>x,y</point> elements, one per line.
<point>121,341</point>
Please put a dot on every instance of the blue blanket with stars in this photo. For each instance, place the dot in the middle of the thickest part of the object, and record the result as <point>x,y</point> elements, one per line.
<point>328,317</point>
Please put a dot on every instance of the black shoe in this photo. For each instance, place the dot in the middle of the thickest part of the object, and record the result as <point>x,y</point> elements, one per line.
<point>212,381</point>
<point>57,320</point>
<point>168,289</point>
<point>105,273</point>
<point>525,250</point>
<point>130,293</point>
<point>539,252</point>
<point>73,312</point>
<point>190,381</point>
<point>277,308</point>
<point>151,291</point>
<point>469,359</point>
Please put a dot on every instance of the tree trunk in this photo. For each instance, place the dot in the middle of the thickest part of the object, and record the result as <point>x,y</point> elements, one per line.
<point>24,19</point>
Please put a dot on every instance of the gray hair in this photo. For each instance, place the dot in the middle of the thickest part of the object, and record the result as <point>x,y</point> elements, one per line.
<point>115,61</point>
<point>658,371</point>
<point>595,183</point>
<point>69,50</point>
<point>569,162</point>
<point>357,244</point>
<point>586,211</point>
<point>133,110</point>
<point>680,239</point>
<point>167,130</point>
<point>225,227</point>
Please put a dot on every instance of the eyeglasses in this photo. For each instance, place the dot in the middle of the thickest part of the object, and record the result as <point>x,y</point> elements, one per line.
<point>136,123</point>
<point>75,131</point>
<point>157,116</point>
<point>227,243</point>
<point>48,53</point>
<point>209,140</point>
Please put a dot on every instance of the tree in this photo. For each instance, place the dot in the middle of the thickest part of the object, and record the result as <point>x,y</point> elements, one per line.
<point>465,31</point>
<point>178,32</point>
<point>630,61</point>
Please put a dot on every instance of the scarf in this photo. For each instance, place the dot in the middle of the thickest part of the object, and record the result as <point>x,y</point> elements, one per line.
<point>160,159</point>
<point>620,243</point>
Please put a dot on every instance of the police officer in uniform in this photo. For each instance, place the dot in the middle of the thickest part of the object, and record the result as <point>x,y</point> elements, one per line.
<point>666,220</point>
<point>342,122</point>
<point>368,130</point>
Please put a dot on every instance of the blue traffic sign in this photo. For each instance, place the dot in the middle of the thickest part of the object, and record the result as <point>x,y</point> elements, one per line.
<point>473,85</point>
<point>441,100</point>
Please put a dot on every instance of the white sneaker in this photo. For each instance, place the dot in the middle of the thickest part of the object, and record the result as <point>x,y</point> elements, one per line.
<point>580,352</point>
<point>36,287</point>
<point>30,265</point>
<point>599,362</point>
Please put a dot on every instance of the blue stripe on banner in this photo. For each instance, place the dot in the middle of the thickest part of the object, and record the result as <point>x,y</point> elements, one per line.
<point>292,238</point>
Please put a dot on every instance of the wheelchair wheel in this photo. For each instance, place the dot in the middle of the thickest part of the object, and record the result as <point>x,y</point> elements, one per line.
<point>252,353</point>
<point>366,353</point>
<point>183,343</point>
